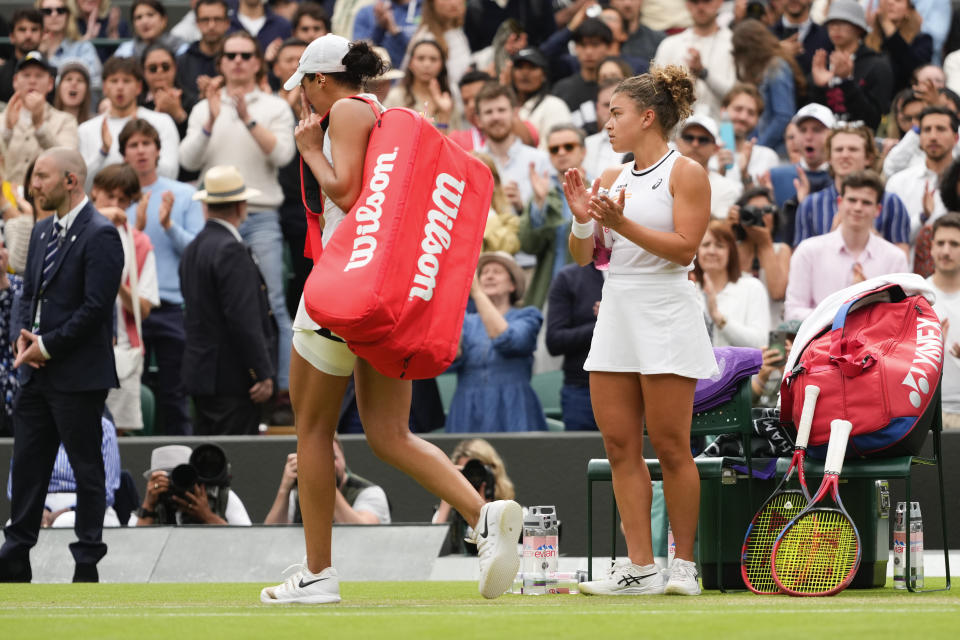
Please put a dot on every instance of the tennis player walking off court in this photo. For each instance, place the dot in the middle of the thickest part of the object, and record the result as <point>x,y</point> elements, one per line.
<point>333,147</point>
<point>650,344</point>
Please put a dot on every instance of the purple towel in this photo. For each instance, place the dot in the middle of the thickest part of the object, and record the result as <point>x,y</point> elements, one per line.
<point>735,364</point>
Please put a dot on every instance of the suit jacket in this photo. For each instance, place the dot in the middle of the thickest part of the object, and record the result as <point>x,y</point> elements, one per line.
<point>231,331</point>
<point>570,318</point>
<point>76,319</point>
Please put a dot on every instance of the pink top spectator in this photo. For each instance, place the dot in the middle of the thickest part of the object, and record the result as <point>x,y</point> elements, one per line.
<point>822,265</point>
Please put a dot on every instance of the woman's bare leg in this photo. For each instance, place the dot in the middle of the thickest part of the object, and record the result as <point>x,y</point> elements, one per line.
<point>384,405</point>
<point>618,406</point>
<point>315,397</point>
<point>669,410</point>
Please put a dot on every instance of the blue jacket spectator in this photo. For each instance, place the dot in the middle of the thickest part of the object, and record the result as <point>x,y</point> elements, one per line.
<point>571,316</point>
<point>496,355</point>
<point>391,29</point>
<point>266,28</point>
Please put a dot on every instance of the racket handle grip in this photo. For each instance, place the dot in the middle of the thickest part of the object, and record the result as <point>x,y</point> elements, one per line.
<point>810,394</point>
<point>837,448</point>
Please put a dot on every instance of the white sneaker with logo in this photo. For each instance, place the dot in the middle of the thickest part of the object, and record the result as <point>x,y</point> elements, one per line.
<point>627,579</point>
<point>683,579</point>
<point>496,536</point>
<point>304,587</point>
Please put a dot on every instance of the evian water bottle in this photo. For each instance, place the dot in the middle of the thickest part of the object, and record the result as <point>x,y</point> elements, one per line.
<point>540,548</point>
<point>914,547</point>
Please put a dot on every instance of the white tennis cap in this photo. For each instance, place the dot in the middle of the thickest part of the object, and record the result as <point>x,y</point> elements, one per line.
<point>323,55</point>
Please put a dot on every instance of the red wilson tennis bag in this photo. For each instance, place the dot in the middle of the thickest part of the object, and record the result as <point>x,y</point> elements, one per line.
<point>394,278</point>
<point>879,367</point>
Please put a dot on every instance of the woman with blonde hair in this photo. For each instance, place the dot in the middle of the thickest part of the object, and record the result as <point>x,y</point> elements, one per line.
<point>500,233</point>
<point>97,19</point>
<point>61,42</point>
<point>442,21</point>
<point>761,60</point>
<point>895,32</point>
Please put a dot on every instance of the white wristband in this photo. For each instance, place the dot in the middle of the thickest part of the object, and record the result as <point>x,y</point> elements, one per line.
<point>582,230</point>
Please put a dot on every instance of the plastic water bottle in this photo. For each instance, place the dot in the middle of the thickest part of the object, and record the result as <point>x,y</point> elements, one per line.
<point>900,547</point>
<point>671,545</point>
<point>540,548</point>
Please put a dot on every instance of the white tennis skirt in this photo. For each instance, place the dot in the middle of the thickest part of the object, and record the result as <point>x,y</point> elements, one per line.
<point>651,324</point>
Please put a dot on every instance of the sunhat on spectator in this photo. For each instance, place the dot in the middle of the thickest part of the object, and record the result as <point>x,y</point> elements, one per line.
<point>224,184</point>
<point>167,458</point>
<point>847,11</point>
<point>505,259</point>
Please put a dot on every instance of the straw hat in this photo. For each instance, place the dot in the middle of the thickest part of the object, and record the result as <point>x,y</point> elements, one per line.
<point>505,259</point>
<point>224,184</point>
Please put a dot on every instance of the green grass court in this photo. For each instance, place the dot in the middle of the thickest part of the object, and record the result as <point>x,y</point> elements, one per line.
<point>454,610</point>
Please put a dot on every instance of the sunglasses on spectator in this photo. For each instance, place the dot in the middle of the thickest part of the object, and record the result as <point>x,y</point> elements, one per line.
<point>47,11</point>
<point>690,139</point>
<point>232,55</point>
<point>163,66</point>
<point>566,146</point>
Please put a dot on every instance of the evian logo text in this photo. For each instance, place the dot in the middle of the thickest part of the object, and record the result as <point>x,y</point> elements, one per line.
<point>436,233</point>
<point>368,215</point>
<point>926,359</point>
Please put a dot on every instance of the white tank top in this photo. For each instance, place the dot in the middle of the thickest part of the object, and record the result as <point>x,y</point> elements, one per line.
<point>332,214</point>
<point>648,202</point>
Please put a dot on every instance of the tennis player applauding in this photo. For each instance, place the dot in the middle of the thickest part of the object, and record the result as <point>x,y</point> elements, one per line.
<point>650,344</point>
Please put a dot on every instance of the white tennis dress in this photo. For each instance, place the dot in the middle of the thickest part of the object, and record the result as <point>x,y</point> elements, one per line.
<point>324,350</point>
<point>649,319</point>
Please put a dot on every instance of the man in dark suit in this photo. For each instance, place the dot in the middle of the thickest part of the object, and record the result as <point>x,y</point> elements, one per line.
<point>230,359</point>
<point>803,35</point>
<point>66,348</point>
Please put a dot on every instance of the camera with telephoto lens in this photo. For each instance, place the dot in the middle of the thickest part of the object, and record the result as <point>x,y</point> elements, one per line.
<point>480,475</point>
<point>208,466</point>
<point>756,9</point>
<point>752,216</point>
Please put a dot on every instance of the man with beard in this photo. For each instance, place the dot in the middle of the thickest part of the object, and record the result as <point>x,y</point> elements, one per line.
<point>919,185</point>
<point>198,64</point>
<point>849,150</point>
<point>171,220</point>
<point>66,342</point>
<point>800,34</point>
<point>25,37</point>
<point>545,223</point>
<point>743,106</point>
<point>122,84</point>
<point>495,104</point>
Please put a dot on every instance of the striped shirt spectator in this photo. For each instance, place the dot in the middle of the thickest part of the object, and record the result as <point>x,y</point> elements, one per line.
<point>815,217</point>
<point>63,481</point>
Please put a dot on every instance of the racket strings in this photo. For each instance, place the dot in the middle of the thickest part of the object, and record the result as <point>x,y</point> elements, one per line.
<point>775,515</point>
<point>817,554</point>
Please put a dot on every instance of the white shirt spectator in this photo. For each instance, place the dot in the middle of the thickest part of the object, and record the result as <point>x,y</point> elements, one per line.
<point>724,193</point>
<point>517,168</point>
<point>231,143</point>
<point>716,54</point>
<point>947,307</point>
<point>544,112</point>
<point>90,141</point>
<point>910,185</point>
<point>746,307</point>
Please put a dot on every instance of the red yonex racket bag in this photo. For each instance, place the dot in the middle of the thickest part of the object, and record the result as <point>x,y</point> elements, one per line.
<point>394,278</point>
<point>879,367</point>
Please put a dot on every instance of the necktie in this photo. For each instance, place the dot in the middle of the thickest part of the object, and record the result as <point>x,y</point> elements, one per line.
<point>53,247</point>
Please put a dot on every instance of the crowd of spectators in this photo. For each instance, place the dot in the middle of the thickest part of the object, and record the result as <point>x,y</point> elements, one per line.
<point>828,129</point>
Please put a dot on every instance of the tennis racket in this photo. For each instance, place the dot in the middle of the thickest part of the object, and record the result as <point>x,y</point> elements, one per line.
<point>818,553</point>
<point>783,505</point>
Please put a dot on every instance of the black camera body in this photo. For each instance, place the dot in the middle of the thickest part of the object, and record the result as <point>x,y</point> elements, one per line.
<point>752,216</point>
<point>208,466</point>
<point>480,475</point>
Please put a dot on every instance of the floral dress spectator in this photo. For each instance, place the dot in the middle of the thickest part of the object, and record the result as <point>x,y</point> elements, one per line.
<point>11,288</point>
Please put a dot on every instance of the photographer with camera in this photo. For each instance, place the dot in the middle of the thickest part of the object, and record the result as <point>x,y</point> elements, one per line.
<point>358,501</point>
<point>756,219</point>
<point>484,468</point>
<point>187,486</point>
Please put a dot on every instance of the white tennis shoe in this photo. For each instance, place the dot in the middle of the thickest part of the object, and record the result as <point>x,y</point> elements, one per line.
<point>496,536</point>
<point>627,579</point>
<point>683,579</point>
<point>304,587</point>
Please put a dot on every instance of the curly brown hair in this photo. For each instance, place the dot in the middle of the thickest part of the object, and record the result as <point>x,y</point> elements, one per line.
<point>668,90</point>
<point>755,50</point>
